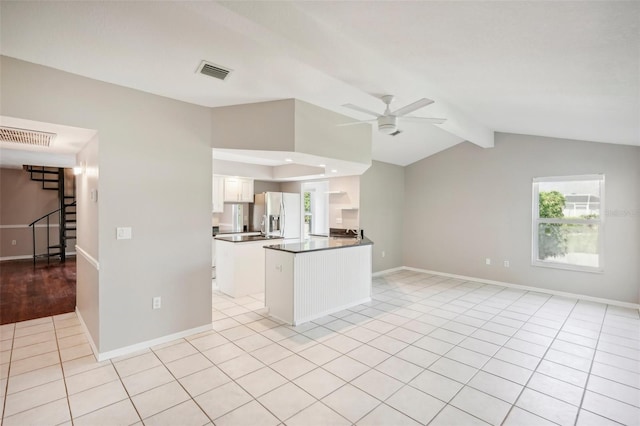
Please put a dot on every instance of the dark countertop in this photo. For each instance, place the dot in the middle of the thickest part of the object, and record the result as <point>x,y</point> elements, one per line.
<point>246,238</point>
<point>318,244</point>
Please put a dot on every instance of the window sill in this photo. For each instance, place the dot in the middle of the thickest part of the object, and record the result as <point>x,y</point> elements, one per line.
<point>567,267</point>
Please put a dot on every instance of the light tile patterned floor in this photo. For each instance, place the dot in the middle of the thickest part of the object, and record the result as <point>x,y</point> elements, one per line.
<point>426,350</point>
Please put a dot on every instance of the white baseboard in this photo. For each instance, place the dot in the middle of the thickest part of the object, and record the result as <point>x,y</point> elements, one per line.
<point>21,257</point>
<point>387,271</point>
<point>102,356</point>
<point>28,256</point>
<point>153,342</point>
<point>94,348</point>
<point>528,288</point>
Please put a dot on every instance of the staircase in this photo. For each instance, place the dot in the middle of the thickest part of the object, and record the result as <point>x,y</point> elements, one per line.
<point>55,179</point>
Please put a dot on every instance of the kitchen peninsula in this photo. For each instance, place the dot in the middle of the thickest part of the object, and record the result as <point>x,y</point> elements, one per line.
<point>309,279</point>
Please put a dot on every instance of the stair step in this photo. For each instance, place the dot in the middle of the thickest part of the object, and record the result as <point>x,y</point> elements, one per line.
<point>45,255</point>
<point>44,180</point>
<point>70,228</point>
<point>46,172</point>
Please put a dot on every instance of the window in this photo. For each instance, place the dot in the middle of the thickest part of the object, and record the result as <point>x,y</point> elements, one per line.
<point>567,222</point>
<point>308,215</point>
<point>315,208</point>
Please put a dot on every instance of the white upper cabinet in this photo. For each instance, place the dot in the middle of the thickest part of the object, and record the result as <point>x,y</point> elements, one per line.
<point>246,190</point>
<point>218,194</point>
<point>238,190</point>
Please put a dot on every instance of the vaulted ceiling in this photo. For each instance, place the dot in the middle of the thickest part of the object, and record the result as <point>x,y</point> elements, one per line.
<point>559,69</point>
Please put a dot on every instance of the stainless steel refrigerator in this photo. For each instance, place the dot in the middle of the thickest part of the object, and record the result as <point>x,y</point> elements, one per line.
<point>277,214</point>
<point>234,218</point>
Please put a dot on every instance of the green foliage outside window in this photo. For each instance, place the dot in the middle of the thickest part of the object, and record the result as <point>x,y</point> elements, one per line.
<point>307,207</point>
<point>552,237</point>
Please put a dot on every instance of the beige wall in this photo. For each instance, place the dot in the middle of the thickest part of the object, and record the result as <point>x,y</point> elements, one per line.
<point>263,126</point>
<point>344,206</point>
<point>466,204</point>
<point>21,202</point>
<point>382,212</point>
<point>260,186</point>
<point>147,181</point>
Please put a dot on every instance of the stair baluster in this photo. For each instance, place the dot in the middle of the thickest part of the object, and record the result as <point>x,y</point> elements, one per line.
<point>44,175</point>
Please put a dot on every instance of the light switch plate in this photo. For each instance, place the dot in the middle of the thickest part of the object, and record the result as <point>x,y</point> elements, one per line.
<point>123,233</point>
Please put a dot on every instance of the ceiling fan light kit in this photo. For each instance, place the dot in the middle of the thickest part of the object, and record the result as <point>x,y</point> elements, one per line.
<point>388,121</point>
<point>387,124</point>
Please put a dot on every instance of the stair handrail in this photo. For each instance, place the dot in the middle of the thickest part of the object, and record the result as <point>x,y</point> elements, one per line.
<point>33,234</point>
<point>48,214</point>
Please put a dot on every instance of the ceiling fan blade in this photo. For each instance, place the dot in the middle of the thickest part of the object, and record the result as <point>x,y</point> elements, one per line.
<point>412,107</point>
<point>357,108</point>
<point>351,123</point>
<point>431,120</point>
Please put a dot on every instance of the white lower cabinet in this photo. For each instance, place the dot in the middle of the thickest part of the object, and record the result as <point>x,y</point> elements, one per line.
<point>240,267</point>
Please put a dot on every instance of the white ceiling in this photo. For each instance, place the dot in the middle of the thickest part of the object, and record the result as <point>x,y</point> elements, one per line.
<point>560,69</point>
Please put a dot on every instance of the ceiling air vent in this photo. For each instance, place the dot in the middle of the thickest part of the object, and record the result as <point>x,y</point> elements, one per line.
<point>213,70</point>
<point>24,136</point>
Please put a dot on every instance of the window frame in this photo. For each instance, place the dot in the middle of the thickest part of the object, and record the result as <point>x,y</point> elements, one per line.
<point>536,220</point>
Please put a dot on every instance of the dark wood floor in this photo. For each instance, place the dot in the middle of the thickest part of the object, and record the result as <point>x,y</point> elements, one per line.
<point>28,292</point>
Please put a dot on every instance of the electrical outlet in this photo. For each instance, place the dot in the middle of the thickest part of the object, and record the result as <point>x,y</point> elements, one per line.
<point>157,302</point>
<point>506,264</point>
<point>487,261</point>
<point>339,220</point>
<point>14,242</point>
<point>383,253</point>
<point>123,233</point>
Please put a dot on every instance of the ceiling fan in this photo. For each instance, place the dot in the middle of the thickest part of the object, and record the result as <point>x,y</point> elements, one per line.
<point>388,121</point>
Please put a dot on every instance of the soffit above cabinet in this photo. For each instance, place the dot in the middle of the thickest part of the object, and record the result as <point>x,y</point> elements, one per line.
<point>286,133</point>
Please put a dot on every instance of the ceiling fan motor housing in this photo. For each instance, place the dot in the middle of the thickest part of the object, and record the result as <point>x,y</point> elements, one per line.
<point>387,124</point>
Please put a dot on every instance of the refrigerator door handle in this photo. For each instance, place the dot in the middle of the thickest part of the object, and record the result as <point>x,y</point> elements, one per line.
<point>262,224</point>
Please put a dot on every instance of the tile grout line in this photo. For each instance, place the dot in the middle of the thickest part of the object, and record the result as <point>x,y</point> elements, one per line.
<point>179,383</point>
<point>536,368</point>
<point>6,391</point>
<point>593,359</point>
<point>401,296</point>
<point>492,357</point>
<point>112,364</point>
<point>454,346</point>
<point>26,372</point>
<point>64,378</point>
<point>453,319</point>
